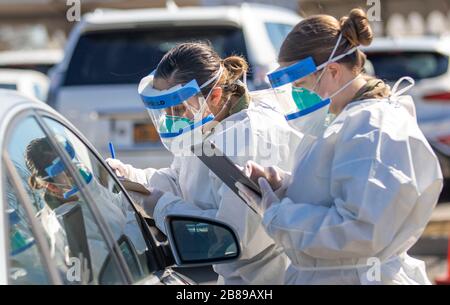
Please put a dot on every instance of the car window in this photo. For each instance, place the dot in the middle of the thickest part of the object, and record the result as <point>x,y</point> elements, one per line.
<point>25,263</point>
<point>38,92</point>
<point>76,243</point>
<point>277,33</point>
<point>125,57</point>
<point>114,206</point>
<point>391,66</point>
<point>8,86</point>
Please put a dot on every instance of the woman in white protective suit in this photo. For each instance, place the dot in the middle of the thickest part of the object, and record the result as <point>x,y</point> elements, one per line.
<point>363,191</point>
<point>194,96</point>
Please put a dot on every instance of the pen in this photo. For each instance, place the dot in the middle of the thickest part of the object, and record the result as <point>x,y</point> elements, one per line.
<point>111,149</point>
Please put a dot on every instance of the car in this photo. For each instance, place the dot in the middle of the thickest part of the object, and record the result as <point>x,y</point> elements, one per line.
<point>31,83</point>
<point>42,60</point>
<point>94,232</point>
<point>109,51</point>
<point>426,60</point>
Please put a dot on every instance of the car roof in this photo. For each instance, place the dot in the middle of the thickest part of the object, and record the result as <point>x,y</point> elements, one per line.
<point>195,14</point>
<point>410,43</point>
<point>11,98</point>
<point>27,57</point>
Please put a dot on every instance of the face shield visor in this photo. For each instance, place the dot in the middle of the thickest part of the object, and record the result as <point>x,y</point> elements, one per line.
<point>304,108</point>
<point>58,167</point>
<point>178,113</point>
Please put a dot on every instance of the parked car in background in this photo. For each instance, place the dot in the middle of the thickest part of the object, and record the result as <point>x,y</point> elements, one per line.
<point>426,60</point>
<point>95,235</point>
<point>109,51</point>
<point>30,83</point>
<point>36,60</point>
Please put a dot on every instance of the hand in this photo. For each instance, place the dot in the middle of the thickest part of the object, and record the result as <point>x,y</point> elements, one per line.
<point>146,203</point>
<point>260,203</point>
<point>276,177</point>
<point>119,168</point>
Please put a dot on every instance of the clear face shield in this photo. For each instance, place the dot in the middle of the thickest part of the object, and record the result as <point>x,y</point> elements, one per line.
<point>57,168</point>
<point>178,113</point>
<point>304,108</point>
<point>296,101</point>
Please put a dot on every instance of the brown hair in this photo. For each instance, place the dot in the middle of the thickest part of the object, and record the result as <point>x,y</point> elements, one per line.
<point>39,154</point>
<point>194,60</point>
<point>317,35</point>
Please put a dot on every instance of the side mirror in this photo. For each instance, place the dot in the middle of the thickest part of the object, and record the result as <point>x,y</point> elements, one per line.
<point>199,241</point>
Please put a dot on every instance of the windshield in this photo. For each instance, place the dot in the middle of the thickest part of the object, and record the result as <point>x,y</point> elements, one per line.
<point>391,66</point>
<point>277,33</point>
<point>125,57</point>
<point>8,86</point>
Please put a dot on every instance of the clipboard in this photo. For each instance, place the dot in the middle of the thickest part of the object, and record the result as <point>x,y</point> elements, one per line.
<point>225,169</point>
<point>133,186</point>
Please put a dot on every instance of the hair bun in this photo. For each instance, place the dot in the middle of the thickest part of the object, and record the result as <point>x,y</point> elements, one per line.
<point>356,28</point>
<point>236,66</point>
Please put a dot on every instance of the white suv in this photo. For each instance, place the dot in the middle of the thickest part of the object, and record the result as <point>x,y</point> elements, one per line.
<point>426,59</point>
<point>109,51</point>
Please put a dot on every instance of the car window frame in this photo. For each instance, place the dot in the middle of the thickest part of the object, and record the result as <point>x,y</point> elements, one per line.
<point>22,197</point>
<point>103,227</point>
<point>154,250</point>
<point>101,223</point>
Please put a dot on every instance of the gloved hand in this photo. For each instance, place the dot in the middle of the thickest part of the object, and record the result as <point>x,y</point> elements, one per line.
<point>277,178</point>
<point>146,203</point>
<point>260,203</point>
<point>119,168</point>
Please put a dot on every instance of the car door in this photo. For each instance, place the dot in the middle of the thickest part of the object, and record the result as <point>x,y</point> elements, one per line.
<point>143,259</point>
<point>81,228</point>
<point>69,232</point>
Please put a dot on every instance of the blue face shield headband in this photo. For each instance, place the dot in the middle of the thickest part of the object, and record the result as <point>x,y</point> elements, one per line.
<point>58,167</point>
<point>179,109</point>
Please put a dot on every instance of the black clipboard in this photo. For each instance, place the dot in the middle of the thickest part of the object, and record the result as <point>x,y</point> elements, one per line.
<point>225,169</point>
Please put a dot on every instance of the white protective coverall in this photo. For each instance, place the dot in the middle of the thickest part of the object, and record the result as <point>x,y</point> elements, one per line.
<point>192,189</point>
<point>360,198</point>
<point>113,208</point>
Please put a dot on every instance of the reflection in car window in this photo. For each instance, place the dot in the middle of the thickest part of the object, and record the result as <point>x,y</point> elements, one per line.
<point>25,263</point>
<point>112,203</point>
<point>76,244</point>
<point>277,33</point>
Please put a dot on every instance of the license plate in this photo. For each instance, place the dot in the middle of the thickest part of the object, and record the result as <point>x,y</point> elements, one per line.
<point>145,133</point>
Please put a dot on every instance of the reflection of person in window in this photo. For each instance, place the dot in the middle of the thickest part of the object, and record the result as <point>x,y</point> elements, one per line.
<point>59,190</point>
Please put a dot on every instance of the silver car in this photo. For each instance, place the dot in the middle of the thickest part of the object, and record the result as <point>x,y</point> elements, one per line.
<point>66,219</point>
